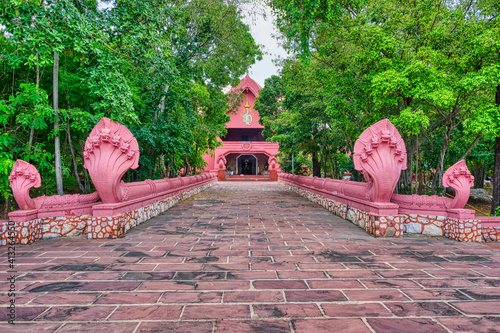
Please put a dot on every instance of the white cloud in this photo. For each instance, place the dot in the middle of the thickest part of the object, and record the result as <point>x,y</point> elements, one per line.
<point>262,30</point>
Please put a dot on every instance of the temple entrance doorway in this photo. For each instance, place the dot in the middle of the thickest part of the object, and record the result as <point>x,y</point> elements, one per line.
<point>246,165</point>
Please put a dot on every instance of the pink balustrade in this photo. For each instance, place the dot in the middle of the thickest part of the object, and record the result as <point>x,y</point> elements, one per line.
<point>110,150</point>
<point>25,176</point>
<point>457,177</point>
<point>380,154</point>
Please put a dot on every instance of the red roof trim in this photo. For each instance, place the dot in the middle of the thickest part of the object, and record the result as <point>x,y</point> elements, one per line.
<point>247,83</point>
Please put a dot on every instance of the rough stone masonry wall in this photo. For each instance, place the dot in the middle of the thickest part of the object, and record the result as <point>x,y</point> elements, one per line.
<point>490,234</point>
<point>394,226</point>
<point>30,231</point>
<point>95,227</point>
<point>25,232</point>
<point>379,226</point>
<point>461,230</point>
<point>112,227</point>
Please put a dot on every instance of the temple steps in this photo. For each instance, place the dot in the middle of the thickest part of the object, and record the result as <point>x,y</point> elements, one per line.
<point>248,178</point>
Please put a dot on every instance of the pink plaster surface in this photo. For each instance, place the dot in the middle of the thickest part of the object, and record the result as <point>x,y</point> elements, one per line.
<point>378,219</point>
<point>105,220</point>
<point>112,209</point>
<point>237,118</point>
<point>380,225</point>
<point>380,153</point>
<point>457,177</point>
<point>343,191</point>
<point>23,177</point>
<point>110,150</point>
<point>115,225</point>
<point>289,266</point>
<point>261,147</point>
<point>250,91</point>
<point>460,179</point>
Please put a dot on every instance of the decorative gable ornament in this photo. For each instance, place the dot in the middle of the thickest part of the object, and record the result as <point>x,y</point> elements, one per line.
<point>247,114</point>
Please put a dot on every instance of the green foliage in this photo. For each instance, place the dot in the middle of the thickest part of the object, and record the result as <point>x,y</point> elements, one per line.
<point>411,122</point>
<point>431,67</point>
<point>156,67</point>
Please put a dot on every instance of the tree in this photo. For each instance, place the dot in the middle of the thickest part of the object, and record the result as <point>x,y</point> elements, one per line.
<point>156,67</point>
<point>430,67</point>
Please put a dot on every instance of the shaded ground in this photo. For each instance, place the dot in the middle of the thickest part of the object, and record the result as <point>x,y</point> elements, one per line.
<point>253,257</point>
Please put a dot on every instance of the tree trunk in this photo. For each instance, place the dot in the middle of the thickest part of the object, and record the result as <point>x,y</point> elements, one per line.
<point>37,70</point>
<point>440,167</point>
<point>13,80</point>
<point>416,166</point>
<point>325,159</point>
<point>168,170</point>
<point>196,154</point>
<point>332,169</point>
<point>433,182</point>
<point>174,168</point>
<point>32,130</point>
<point>86,181</point>
<point>471,146</point>
<point>162,166</point>
<point>6,209</point>
<point>187,168</point>
<point>57,142</point>
<point>496,171</point>
<point>30,141</point>
<point>316,166</point>
<point>420,181</point>
<point>75,166</point>
<point>409,173</point>
<point>479,171</point>
<point>321,161</point>
<point>406,174</point>
<point>496,178</point>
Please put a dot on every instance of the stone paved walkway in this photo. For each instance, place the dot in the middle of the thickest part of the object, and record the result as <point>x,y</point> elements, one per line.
<point>253,257</point>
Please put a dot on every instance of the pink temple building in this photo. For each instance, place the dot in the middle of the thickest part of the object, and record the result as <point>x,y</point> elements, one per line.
<point>244,150</point>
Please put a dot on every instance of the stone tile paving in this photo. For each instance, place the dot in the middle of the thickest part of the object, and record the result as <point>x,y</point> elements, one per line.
<point>253,257</point>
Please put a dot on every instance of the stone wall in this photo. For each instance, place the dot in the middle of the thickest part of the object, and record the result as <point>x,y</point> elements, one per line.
<point>433,225</point>
<point>460,229</point>
<point>490,234</point>
<point>379,226</point>
<point>115,226</point>
<point>26,232</point>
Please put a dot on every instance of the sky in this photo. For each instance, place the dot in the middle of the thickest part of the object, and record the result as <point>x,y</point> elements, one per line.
<point>262,30</point>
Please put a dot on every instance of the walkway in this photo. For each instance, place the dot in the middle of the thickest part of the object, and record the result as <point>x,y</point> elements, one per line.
<point>254,257</point>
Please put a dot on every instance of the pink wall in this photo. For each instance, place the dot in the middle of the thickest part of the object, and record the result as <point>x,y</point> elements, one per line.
<point>237,119</point>
<point>210,160</point>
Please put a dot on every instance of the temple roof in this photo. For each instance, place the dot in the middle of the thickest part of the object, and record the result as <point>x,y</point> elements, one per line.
<point>247,83</point>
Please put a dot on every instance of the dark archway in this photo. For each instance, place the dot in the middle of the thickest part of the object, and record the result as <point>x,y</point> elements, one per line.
<point>247,165</point>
